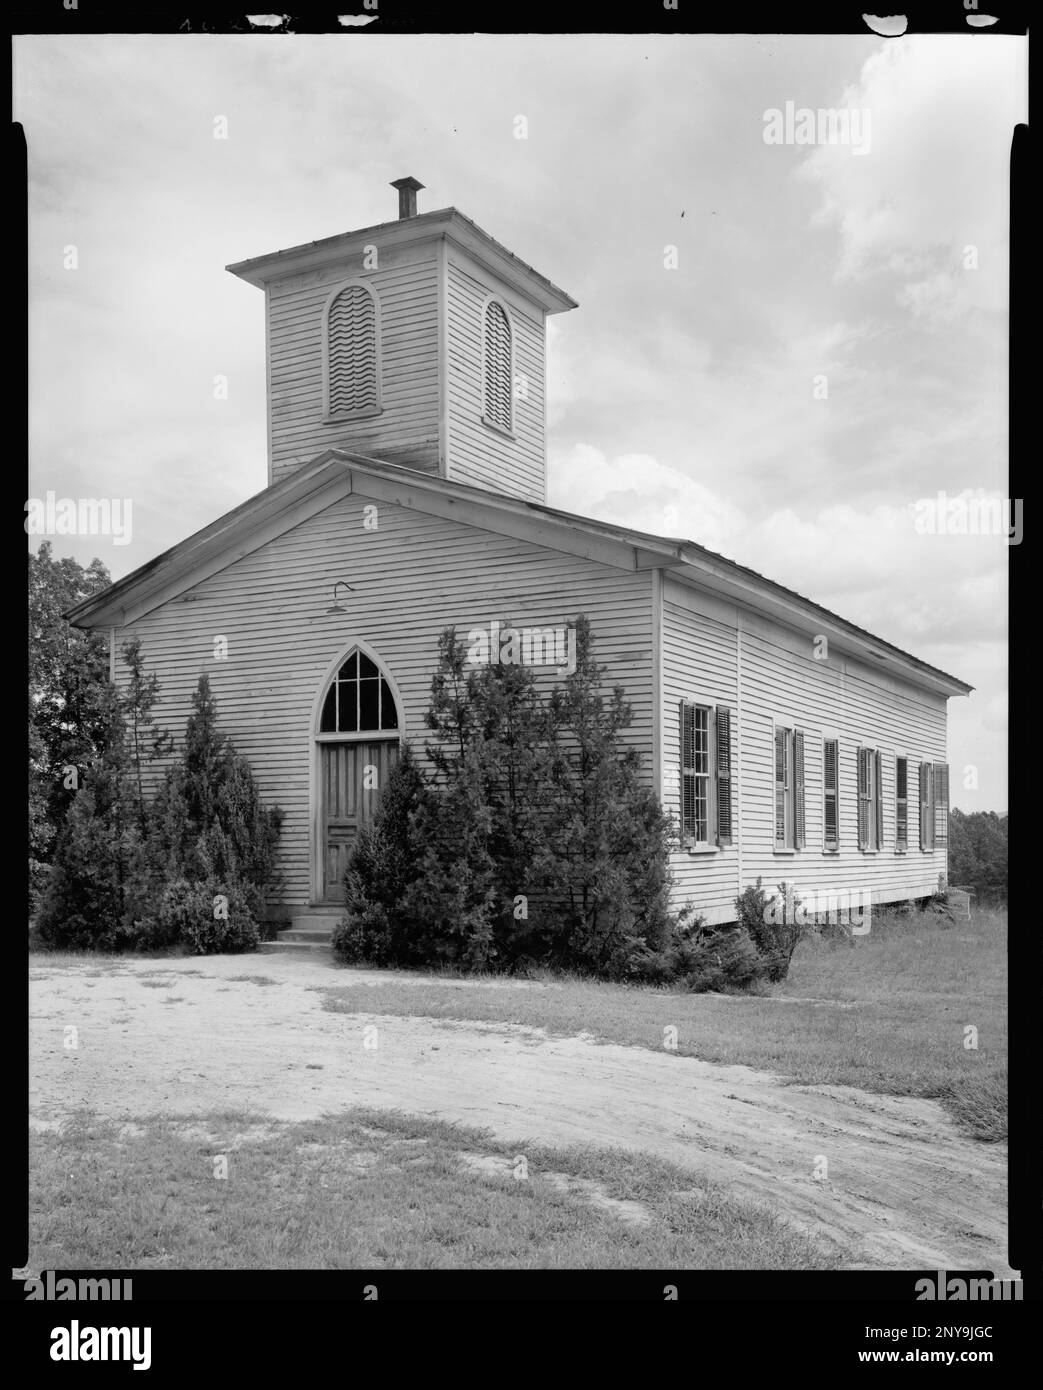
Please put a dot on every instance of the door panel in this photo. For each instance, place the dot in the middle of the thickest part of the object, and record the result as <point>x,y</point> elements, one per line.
<point>348,803</point>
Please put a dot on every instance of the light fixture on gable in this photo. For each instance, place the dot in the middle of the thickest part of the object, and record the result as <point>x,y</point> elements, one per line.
<point>336,608</point>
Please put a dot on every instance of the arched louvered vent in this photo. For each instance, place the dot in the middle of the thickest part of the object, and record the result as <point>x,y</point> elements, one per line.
<point>497,366</point>
<point>352,361</point>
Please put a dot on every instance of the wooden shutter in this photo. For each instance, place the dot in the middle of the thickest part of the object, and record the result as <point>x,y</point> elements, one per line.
<point>687,717</point>
<point>901,805</point>
<point>780,788</point>
<point>863,798</point>
<point>497,366</point>
<point>878,800</point>
<point>723,761</point>
<point>926,837</point>
<point>830,750</point>
<point>798,789</point>
<point>352,352</point>
<point>940,804</point>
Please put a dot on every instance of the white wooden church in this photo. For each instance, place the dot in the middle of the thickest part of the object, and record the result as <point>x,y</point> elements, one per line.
<point>407,492</point>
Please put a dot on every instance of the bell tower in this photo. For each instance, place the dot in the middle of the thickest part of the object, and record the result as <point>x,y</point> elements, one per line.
<point>420,342</point>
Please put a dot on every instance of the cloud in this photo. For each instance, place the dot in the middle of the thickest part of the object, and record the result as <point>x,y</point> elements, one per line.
<point>937,179</point>
<point>926,593</point>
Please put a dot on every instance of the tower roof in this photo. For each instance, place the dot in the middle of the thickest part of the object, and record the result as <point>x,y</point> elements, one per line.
<point>447,222</point>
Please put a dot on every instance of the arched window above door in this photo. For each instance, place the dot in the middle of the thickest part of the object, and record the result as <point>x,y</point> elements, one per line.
<point>359,700</point>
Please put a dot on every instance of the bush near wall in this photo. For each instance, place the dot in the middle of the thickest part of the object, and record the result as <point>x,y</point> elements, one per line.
<point>528,838</point>
<point>188,868</point>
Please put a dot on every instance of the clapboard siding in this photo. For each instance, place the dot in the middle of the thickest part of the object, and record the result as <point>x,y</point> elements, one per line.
<point>406,431</point>
<point>699,665</point>
<point>715,653</point>
<point>478,454</point>
<point>410,578</point>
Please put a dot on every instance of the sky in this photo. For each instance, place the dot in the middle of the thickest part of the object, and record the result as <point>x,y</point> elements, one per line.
<point>780,350</point>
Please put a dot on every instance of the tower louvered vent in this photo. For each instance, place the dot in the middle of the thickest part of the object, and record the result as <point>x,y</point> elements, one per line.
<point>497,366</point>
<point>354,385</point>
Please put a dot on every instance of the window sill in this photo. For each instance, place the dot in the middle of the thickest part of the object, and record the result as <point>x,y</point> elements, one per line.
<point>349,416</point>
<point>365,736</point>
<point>702,849</point>
<point>496,429</point>
<point>831,850</point>
<point>784,853</point>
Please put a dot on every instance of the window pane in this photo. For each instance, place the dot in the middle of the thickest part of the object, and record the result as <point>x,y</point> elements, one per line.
<point>359,700</point>
<point>388,712</point>
<point>369,706</point>
<point>349,722</point>
<point>702,787</point>
<point>702,741</point>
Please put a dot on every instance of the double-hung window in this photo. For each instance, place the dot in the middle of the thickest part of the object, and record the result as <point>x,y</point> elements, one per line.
<point>789,788</point>
<point>706,775</point>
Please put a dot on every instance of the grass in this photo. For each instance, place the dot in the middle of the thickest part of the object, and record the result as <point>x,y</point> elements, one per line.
<point>377,1190</point>
<point>886,1012</point>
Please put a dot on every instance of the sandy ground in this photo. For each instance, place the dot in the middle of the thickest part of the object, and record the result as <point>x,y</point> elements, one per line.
<point>903,1187</point>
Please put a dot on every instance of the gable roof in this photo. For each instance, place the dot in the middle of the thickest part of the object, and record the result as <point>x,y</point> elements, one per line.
<point>338,473</point>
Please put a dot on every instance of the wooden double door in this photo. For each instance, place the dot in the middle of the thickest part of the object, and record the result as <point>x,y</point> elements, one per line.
<point>353,776</point>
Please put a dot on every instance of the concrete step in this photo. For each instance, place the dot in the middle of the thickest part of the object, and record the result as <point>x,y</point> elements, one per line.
<point>320,934</point>
<point>276,948</point>
<point>316,919</point>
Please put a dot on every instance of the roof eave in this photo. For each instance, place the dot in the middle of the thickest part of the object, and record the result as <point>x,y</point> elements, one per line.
<point>314,480</point>
<point>762,594</point>
<point>294,260</point>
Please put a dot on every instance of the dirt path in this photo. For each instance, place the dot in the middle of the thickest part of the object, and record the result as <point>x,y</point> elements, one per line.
<point>903,1188</point>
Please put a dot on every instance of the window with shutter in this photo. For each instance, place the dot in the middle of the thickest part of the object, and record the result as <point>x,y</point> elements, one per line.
<point>789,788</point>
<point>498,367</point>
<point>901,805</point>
<point>699,804</point>
<point>831,816</point>
<point>352,353</point>
<point>878,800</point>
<point>863,798</point>
<point>687,718</point>
<point>940,804</point>
<point>702,774</point>
<point>798,789</point>
<point>870,799</point>
<point>926,828</point>
<point>723,765</point>
<point>781,779</point>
